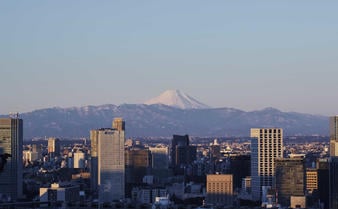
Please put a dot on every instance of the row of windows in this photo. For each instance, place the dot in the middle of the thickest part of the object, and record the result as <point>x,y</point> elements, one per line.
<point>269,136</point>
<point>270,131</point>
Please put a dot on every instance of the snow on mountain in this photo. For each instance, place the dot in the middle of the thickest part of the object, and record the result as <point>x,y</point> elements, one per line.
<point>176,98</point>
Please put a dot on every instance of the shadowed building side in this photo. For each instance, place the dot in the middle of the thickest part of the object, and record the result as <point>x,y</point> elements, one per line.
<point>108,162</point>
<point>11,139</point>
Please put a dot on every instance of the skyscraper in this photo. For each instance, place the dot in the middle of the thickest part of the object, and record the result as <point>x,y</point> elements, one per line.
<point>138,162</point>
<point>181,153</point>
<point>333,179</point>
<point>11,138</point>
<point>334,136</point>
<point>333,163</point>
<point>323,182</point>
<point>53,146</point>
<point>118,124</point>
<point>266,146</point>
<point>108,162</point>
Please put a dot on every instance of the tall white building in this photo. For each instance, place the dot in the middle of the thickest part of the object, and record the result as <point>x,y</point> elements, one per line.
<point>107,162</point>
<point>11,138</point>
<point>266,146</point>
<point>334,136</point>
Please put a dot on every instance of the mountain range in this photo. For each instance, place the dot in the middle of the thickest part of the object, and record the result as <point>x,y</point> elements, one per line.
<point>157,119</point>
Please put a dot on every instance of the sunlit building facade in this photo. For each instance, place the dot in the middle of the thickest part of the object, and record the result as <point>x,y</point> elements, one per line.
<point>219,189</point>
<point>108,162</point>
<point>11,139</point>
<point>266,146</point>
<point>334,136</point>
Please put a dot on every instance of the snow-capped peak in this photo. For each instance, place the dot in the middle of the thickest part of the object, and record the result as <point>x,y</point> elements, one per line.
<point>176,98</point>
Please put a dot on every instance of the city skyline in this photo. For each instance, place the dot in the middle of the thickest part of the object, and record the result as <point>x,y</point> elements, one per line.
<point>226,54</point>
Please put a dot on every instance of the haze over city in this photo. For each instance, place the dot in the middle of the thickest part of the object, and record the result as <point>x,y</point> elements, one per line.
<point>246,55</point>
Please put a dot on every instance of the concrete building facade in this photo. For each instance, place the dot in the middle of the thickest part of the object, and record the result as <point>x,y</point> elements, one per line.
<point>54,146</point>
<point>219,189</point>
<point>266,146</point>
<point>108,162</point>
<point>290,179</point>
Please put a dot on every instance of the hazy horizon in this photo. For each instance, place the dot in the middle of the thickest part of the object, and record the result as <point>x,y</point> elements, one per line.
<point>243,55</point>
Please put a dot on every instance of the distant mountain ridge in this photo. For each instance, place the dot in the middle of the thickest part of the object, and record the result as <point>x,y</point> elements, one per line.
<point>162,120</point>
<point>176,98</point>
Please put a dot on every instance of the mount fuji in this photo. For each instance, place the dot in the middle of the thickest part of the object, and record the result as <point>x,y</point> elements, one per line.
<point>176,98</point>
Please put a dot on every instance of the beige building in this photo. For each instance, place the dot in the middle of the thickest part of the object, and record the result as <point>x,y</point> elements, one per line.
<point>311,180</point>
<point>54,146</point>
<point>219,189</point>
<point>266,146</point>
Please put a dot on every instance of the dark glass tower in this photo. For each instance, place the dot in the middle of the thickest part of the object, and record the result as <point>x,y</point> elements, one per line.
<point>11,138</point>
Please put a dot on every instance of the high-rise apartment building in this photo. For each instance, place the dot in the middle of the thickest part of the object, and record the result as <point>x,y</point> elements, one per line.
<point>334,136</point>
<point>108,162</point>
<point>290,179</point>
<point>11,138</point>
<point>53,147</point>
<point>219,189</point>
<point>266,146</point>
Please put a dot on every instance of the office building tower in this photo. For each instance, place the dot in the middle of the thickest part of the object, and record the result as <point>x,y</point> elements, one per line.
<point>53,147</point>
<point>11,139</point>
<point>37,148</point>
<point>322,166</point>
<point>181,153</point>
<point>177,141</point>
<point>334,136</point>
<point>290,179</point>
<point>219,189</point>
<point>333,182</point>
<point>79,160</point>
<point>108,162</point>
<point>160,157</point>
<point>266,146</point>
<point>118,124</point>
<point>311,180</point>
<point>138,164</point>
<point>239,168</point>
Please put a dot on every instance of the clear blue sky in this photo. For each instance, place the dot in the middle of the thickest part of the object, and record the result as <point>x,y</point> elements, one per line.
<point>243,54</point>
